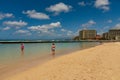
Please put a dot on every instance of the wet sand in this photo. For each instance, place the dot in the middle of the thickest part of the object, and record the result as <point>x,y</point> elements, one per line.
<point>97,63</point>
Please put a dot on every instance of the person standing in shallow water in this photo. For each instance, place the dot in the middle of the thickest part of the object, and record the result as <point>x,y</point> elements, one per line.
<point>53,49</point>
<point>22,47</point>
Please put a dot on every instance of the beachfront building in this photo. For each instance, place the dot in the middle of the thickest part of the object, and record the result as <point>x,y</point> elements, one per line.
<point>105,36</point>
<point>114,34</point>
<point>87,34</point>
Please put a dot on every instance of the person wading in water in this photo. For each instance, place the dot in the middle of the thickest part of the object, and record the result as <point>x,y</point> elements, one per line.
<point>53,49</point>
<point>22,49</point>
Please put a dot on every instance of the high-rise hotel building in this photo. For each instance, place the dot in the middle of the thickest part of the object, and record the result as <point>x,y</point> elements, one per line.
<point>114,34</point>
<point>87,34</point>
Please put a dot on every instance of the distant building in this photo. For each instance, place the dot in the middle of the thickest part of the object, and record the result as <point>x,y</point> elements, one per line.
<point>98,37</point>
<point>105,36</point>
<point>87,34</point>
<point>114,34</point>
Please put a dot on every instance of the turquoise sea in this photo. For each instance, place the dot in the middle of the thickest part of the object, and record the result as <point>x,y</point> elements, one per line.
<point>11,55</point>
<point>12,52</point>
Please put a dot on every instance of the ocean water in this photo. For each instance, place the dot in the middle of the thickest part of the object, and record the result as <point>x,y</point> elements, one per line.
<point>12,52</point>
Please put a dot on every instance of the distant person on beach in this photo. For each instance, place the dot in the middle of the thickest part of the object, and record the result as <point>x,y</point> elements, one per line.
<point>22,47</point>
<point>53,49</point>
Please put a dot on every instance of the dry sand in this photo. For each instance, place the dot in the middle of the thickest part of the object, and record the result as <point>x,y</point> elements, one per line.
<point>97,63</point>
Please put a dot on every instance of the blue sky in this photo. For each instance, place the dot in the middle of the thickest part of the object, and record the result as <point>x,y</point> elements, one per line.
<point>58,19</point>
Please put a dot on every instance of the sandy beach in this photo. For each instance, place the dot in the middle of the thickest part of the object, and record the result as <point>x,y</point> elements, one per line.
<point>97,63</point>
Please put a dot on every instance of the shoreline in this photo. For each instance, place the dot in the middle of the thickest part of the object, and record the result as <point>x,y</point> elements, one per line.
<point>34,62</point>
<point>87,64</point>
<point>55,41</point>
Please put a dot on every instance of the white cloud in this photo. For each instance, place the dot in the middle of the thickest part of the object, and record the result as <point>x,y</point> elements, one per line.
<point>5,15</point>
<point>106,28</point>
<point>82,3</point>
<point>102,4</point>
<point>23,32</point>
<point>57,24</point>
<point>46,28</point>
<point>92,22</point>
<point>67,33</point>
<point>6,28</point>
<point>63,30</point>
<point>16,24</point>
<point>109,21</point>
<point>58,8</point>
<point>36,15</point>
<point>103,30</point>
<point>88,24</point>
<point>117,26</point>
